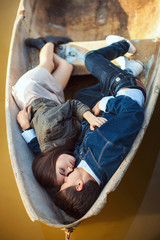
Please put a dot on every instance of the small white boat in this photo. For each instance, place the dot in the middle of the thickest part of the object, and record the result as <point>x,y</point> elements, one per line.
<point>87,22</point>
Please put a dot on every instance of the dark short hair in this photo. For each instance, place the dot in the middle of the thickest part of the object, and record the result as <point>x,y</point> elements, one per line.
<point>44,165</point>
<point>77,203</point>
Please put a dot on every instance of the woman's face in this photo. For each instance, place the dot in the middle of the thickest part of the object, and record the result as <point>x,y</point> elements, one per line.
<point>64,166</point>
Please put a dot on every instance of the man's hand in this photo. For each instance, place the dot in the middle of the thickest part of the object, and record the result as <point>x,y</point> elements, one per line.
<point>96,109</point>
<point>24,117</point>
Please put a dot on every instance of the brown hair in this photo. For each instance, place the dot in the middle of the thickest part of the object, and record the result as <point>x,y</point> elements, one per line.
<point>43,166</point>
<point>77,203</point>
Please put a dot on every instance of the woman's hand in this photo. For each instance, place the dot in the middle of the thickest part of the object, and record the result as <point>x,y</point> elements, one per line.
<point>24,117</point>
<point>97,122</point>
<point>96,109</point>
<point>93,120</point>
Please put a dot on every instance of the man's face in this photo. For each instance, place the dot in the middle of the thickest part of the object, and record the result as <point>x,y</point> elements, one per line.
<point>72,179</point>
<point>64,166</point>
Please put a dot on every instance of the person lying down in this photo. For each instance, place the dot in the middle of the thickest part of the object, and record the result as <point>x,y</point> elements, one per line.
<point>82,167</point>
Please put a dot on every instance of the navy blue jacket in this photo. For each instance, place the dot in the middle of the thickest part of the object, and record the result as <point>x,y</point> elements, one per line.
<point>105,148</point>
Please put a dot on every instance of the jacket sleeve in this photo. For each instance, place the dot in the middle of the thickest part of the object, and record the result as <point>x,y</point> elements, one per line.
<point>31,139</point>
<point>34,146</point>
<point>78,109</point>
<point>122,104</point>
<point>125,118</point>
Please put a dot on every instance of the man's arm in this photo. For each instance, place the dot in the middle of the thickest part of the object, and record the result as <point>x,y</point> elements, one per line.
<point>101,105</point>
<point>125,118</point>
<point>135,94</point>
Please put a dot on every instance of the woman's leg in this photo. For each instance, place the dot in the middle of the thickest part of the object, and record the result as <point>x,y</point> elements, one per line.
<point>38,82</point>
<point>59,68</point>
<point>46,57</point>
<point>62,71</point>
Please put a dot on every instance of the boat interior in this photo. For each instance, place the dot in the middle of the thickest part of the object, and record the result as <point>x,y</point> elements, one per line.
<point>87,23</point>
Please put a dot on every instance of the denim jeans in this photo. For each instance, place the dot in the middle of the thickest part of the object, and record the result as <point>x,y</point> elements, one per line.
<point>111,77</point>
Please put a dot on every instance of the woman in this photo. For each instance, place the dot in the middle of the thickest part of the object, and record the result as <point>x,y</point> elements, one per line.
<point>39,92</point>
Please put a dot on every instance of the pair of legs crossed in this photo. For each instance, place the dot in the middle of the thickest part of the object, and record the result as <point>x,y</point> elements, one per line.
<point>47,80</point>
<point>59,68</point>
<point>111,77</point>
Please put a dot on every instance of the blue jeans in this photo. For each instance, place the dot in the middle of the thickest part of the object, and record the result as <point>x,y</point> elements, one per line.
<point>111,78</point>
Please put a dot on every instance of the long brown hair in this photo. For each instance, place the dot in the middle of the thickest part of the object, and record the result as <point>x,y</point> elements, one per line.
<point>43,166</point>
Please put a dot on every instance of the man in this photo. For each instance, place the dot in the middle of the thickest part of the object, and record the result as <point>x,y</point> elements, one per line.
<point>99,153</point>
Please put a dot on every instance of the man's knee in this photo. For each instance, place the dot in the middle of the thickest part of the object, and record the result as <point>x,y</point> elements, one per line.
<point>89,53</point>
<point>88,56</point>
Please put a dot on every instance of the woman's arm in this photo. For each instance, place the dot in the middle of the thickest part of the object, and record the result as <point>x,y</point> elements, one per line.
<point>24,117</point>
<point>29,135</point>
<point>82,111</point>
